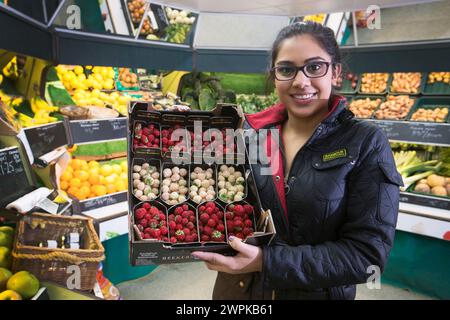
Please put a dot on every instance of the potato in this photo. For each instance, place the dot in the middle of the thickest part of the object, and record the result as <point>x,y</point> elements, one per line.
<point>408,82</point>
<point>434,115</point>
<point>374,82</point>
<point>395,108</point>
<point>363,108</point>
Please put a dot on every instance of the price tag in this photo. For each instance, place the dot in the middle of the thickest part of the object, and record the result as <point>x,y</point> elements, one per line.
<point>98,130</point>
<point>14,180</point>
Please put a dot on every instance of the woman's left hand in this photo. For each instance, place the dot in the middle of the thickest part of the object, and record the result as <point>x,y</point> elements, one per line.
<point>248,259</point>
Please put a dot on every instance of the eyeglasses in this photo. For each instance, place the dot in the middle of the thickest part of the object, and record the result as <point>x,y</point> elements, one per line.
<point>311,70</point>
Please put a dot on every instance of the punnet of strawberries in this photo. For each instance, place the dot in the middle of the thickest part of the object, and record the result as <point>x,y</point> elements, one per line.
<point>182,225</point>
<point>211,223</point>
<point>239,220</point>
<point>151,222</point>
<point>169,144</point>
<point>146,136</point>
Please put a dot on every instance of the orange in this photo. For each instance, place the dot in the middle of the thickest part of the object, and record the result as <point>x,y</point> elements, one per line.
<point>85,191</point>
<point>64,185</point>
<point>80,195</point>
<point>66,176</point>
<point>69,168</point>
<point>84,165</point>
<point>75,164</point>
<point>81,174</point>
<point>111,188</point>
<point>100,190</point>
<point>73,190</point>
<point>86,184</point>
<point>94,179</point>
<point>93,164</point>
<point>75,182</point>
<point>110,179</point>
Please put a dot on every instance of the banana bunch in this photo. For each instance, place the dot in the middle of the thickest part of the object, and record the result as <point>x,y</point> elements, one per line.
<point>41,111</point>
<point>37,104</point>
<point>11,70</point>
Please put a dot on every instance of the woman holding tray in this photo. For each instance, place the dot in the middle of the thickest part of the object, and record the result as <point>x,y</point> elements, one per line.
<point>333,188</point>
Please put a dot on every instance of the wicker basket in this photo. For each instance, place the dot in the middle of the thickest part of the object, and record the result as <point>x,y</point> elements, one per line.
<point>52,264</point>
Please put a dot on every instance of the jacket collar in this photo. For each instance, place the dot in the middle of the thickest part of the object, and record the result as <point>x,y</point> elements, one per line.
<point>277,114</point>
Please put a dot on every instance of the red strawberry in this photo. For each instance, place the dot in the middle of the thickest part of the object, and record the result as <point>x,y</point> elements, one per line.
<point>238,210</point>
<point>220,227</point>
<point>209,210</point>
<point>180,235</point>
<point>210,205</point>
<point>179,226</point>
<point>192,218</point>
<point>228,215</point>
<point>185,207</point>
<point>207,230</point>
<point>201,208</point>
<point>185,214</point>
<point>188,238</point>
<point>173,240</point>
<point>143,222</point>
<point>194,237</point>
<point>214,217</point>
<point>140,213</point>
<point>204,217</point>
<point>186,231</point>
<point>246,231</point>
<point>230,225</point>
<point>172,224</point>
<point>212,223</point>
<point>248,223</point>
<point>171,217</point>
<point>146,236</point>
<point>157,233</point>
<point>146,206</point>
<point>190,225</point>
<point>217,236</point>
<point>220,215</point>
<point>147,230</point>
<point>191,213</point>
<point>162,223</point>
<point>238,225</point>
<point>163,230</point>
<point>248,208</point>
<point>240,235</point>
<point>184,221</point>
<point>178,219</point>
<point>205,237</point>
<point>178,210</point>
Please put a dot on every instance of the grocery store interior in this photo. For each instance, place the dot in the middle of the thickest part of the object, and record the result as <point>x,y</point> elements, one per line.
<point>91,91</point>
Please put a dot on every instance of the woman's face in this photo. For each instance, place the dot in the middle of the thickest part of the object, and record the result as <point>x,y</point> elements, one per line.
<point>305,97</point>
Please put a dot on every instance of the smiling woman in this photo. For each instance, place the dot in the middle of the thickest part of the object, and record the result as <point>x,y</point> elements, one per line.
<point>334,189</point>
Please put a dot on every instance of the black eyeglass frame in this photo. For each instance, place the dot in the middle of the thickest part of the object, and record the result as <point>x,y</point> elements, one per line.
<point>302,69</point>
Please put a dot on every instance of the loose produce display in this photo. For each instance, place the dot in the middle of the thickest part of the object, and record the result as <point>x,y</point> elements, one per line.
<point>21,285</point>
<point>202,185</point>
<point>364,108</point>
<point>438,114</point>
<point>182,224</point>
<point>435,185</point>
<point>252,103</point>
<point>239,220</point>
<point>395,108</point>
<point>85,180</point>
<point>353,78</point>
<point>211,223</point>
<point>127,78</point>
<point>180,23</point>
<point>137,10</point>
<point>374,82</point>
<point>174,187</point>
<point>408,82</point>
<point>434,77</point>
<point>231,184</point>
<point>146,181</point>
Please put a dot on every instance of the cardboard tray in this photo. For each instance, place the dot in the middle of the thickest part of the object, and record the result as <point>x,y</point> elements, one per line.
<point>150,252</point>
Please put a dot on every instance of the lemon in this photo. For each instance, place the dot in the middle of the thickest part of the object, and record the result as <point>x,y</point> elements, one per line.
<point>117,169</point>
<point>110,179</point>
<point>24,283</point>
<point>106,170</point>
<point>6,240</point>
<point>5,257</point>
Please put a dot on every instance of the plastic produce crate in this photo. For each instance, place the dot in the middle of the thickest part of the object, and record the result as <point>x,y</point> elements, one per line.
<point>437,88</point>
<point>431,103</point>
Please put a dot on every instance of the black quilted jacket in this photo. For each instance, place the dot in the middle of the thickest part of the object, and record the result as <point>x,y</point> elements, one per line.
<point>335,215</point>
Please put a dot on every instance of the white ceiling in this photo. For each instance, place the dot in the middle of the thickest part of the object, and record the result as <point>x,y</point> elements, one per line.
<point>289,8</point>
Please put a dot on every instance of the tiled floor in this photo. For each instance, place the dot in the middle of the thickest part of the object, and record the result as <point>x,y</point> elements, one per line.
<point>193,281</point>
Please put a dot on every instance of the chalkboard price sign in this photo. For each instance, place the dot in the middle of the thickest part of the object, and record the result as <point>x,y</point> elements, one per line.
<point>416,132</point>
<point>98,130</point>
<point>14,180</point>
<point>46,138</point>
